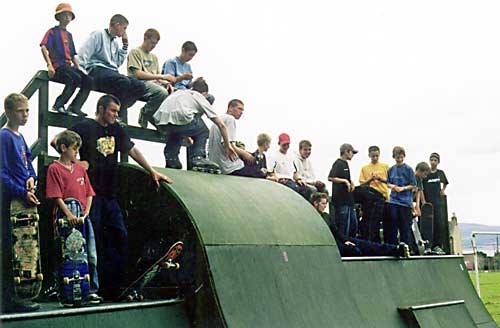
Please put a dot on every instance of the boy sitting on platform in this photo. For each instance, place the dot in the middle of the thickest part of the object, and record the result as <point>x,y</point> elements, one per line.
<point>58,50</point>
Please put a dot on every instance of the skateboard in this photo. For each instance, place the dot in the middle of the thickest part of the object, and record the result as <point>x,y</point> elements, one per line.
<point>135,289</point>
<point>427,222</point>
<point>73,271</point>
<point>26,264</point>
<point>421,244</point>
<point>206,166</point>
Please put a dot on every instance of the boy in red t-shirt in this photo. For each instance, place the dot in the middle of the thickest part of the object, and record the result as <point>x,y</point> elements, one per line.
<point>67,179</point>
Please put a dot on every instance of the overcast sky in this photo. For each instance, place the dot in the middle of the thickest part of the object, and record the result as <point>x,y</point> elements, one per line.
<point>424,75</point>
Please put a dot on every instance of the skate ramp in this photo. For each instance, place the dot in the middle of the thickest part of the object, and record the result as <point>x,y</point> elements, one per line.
<point>270,261</point>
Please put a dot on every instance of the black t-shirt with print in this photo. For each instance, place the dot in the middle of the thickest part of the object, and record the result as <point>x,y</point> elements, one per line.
<point>340,194</point>
<point>432,186</point>
<point>100,147</point>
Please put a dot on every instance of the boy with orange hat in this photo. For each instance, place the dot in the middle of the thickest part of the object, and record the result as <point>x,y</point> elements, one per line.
<point>58,50</point>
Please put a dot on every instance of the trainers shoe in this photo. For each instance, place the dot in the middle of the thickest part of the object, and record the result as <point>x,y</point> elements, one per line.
<point>94,299</point>
<point>173,163</point>
<point>403,250</point>
<point>204,163</point>
<point>59,109</point>
<point>19,305</point>
<point>143,120</point>
<point>438,251</point>
<point>76,111</point>
<point>49,294</point>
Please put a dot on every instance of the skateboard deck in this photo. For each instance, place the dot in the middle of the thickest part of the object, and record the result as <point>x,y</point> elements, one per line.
<point>26,264</point>
<point>135,290</point>
<point>427,222</point>
<point>73,271</point>
<point>420,244</point>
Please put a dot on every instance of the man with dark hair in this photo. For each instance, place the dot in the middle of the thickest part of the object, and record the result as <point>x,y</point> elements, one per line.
<point>434,189</point>
<point>179,116</point>
<point>305,168</point>
<point>355,246</point>
<point>101,56</point>
<point>244,164</point>
<point>102,139</point>
<point>180,68</point>
<point>342,188</point>
<point>142,64</point>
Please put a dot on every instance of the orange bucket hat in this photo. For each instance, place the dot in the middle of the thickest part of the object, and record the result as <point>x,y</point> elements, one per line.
<point>64,7</point>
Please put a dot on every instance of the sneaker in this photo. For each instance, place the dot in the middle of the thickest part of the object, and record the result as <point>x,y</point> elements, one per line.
<point>94,299</point>
<point>59,109</point>
<point>20,305</point>
<point>76,111</point>
<point>202,162</point>
<point>438,251</point>
<point>403,250</point>
<point>122,124</point>
<point>143,120</point>
<point>173,163</point>
<point>49,294</point>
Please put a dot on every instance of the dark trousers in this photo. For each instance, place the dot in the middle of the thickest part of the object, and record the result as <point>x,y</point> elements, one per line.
<point>251,171</point>
<point>367,248</point>
<point>7,278</point>
<point>72,78</point>
<point>345,220</point>
<point>439,229</point>
<point>369,227</point>
<point>196,129</point>
<point>111,242</point>
<point>398,218</point>
<point>303,191</point>
<point>125,88</point>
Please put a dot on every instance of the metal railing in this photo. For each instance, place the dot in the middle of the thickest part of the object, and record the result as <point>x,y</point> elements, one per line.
<point>474,249</point>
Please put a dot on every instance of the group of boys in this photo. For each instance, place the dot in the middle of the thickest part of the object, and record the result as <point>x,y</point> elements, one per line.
<point>93,180</point>
<point>391,196</point>
<point>100,57</point>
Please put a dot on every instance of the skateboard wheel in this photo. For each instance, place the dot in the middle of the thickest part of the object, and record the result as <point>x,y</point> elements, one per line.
<point>86,277</point>
<point>140,298</point>
<point>36,217</point>
<point>39,277</point>
<point>80,221</point>
<point>13,220</point>
<point>129,298</point>
<point>66,280</point>
<point>60,222</point>
<point>17,280</point>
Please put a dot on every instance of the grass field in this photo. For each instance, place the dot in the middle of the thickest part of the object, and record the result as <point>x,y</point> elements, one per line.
<point>490,292</point>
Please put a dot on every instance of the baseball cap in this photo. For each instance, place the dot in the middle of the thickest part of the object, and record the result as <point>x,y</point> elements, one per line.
<point>283,139</point>
<point>346,147</point>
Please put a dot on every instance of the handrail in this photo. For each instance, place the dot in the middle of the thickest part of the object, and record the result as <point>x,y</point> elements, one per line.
<point>39,82</point>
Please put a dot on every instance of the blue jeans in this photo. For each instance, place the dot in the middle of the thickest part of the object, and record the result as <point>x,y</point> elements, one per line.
<point>111,239</point>
<point>127,89</point>
<point>398,218</point>
<point>346,221</point>
<point>72,78</point>
<point>196,129</point>
<point>92,257</point>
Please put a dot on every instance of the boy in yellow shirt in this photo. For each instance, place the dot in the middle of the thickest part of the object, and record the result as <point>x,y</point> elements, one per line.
<point>374,175</point>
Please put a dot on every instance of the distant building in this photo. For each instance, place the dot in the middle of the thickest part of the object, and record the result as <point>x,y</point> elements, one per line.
<point>455,236</point>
